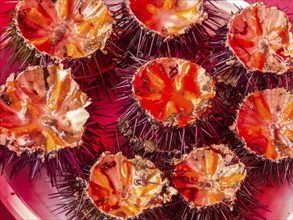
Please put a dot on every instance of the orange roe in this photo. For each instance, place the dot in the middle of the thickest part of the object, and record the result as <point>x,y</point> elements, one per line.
<point>42,108</point>
<point>208,176</point>
<point>64,29</point>
<point>261,40</point>
<point>265,123</point>
<point>173,91</point>
<point>124,188</point>
<point>170,17</point>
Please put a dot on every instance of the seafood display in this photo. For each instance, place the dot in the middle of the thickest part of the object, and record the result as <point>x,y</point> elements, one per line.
<point>139,109</point>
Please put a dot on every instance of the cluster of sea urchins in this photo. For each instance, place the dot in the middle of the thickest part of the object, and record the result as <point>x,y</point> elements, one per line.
<point>207,118</point>
<point>43,116</point>
<point>171,103</point>
<point>257,59</point>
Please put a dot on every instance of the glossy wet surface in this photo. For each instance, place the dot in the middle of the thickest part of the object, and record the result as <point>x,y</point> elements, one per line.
<point>260,38</point>
<point>123,187</point>
<point>173,91</point>
<point>207,176</point>
<point>265,122</point>
<point>170,17</point>
<point>65,29</point>
<point>42,108</point>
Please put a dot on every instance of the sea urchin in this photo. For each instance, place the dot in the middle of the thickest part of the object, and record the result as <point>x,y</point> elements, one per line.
<point>42,113</point>
<point>116,188</point>
<point>212,183</point>
<point>264,123</point>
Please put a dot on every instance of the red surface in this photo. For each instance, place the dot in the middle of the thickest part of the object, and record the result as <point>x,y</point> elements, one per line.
<point>4,213</point>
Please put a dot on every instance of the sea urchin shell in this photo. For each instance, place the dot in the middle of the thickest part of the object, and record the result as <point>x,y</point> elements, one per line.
<point>173,91</point>
<point>171,103</point>
<point>164,28</point>
<point>64,29</point>
<point>208,176</point>
<point>42,108</point>
<point>213,183</point>
<point>261,40</point>
<point>168,18</point>
<point>265,123</point>
<point>124,188</point>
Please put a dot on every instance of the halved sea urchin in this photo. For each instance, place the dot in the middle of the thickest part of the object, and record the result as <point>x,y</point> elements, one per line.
<point>42,119</point>
<point>212,183</point>
<point>116,188</point>
<point>258,39</point>
<point>172,103</point>
<point>265,124</point>
<point>175,92</point>
<point>60,29</point>
<point>165,28</point>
